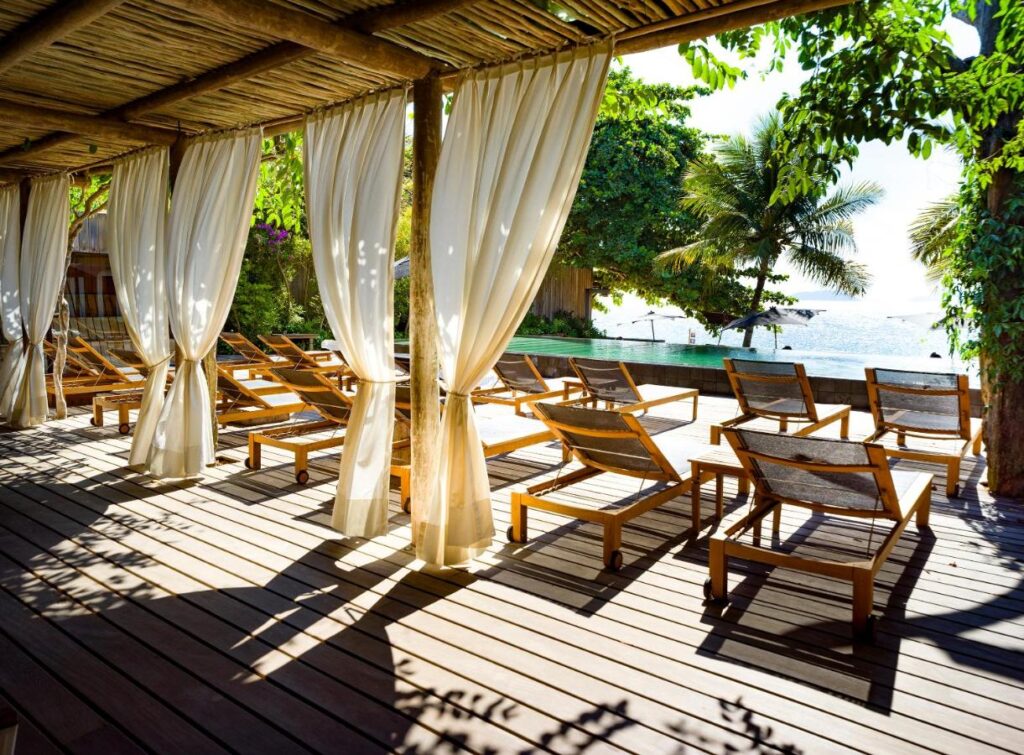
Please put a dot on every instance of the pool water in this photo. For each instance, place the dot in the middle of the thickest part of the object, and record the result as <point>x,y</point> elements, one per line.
<point>823,364</point>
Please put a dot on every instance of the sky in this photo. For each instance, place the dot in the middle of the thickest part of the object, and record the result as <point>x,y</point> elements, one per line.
<point>910,183</point>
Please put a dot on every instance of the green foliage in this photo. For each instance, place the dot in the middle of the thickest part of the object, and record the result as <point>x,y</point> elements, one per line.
<point>628,206</point>
<point>745,229</point>
<point>401,316</point>
<point>984,280</point>
<point>934,234</point>
<point>277,288</point>
<point>280,191</point>
<point>563,324</point>
<point>886,70</point>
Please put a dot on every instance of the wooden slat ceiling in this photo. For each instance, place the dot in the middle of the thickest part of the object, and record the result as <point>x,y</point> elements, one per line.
<point>141,47</point>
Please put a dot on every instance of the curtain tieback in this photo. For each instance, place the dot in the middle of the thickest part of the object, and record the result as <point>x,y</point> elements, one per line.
<point>464,396</point>
<point>163,361</point>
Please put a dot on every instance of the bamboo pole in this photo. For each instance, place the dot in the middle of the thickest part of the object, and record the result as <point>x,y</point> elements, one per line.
<point>426,421</point>
<point>88,125</point>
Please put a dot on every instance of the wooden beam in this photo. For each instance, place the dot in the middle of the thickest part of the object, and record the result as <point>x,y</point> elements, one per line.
<point>707,23</point>
<point>426,402</point>
<point>301,28</point>
<point>47,27</point>
<point>87,125</point>
<point>267,59</point>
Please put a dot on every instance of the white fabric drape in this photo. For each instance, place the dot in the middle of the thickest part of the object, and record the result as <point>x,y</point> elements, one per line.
<point>510,163</point>
<point>44,245</point>
<point>210,211</point>
<point>353,162</point>
<point>10,303</point>
<point>136,217</point>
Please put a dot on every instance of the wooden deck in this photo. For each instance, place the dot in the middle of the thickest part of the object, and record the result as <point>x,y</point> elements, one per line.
<point>227,616</point>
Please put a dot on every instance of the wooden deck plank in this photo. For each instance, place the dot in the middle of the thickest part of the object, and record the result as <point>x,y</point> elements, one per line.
<point>582,659</point>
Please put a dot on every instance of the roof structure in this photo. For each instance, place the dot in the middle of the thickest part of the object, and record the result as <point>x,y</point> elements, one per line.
<point>83,81</point>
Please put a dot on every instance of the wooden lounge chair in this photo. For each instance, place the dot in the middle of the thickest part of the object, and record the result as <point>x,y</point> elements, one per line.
<point>498,435</point>
<point>320,361</point>
<point>930,406</point>
<point>251,356</point>
<point>238,401</point>
<point>300,439</point>
<point>837,478</point>
<point>778,391</point>
<point>611,382</point>
<point>521,383</point>
<point>102,376</point>
<point>615,443</point>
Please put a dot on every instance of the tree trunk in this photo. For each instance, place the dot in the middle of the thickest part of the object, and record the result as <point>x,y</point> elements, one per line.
<point>755,303</point>
<point>1004,415</point>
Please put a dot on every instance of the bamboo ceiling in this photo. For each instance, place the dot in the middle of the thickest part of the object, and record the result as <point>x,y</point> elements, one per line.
<point>104,54</point>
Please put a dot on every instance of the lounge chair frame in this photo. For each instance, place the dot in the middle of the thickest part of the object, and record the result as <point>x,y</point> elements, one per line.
<point>282,345</point>
<point>899,509</point>
<point>104,375</point>
<point>593,394</point>
<point>248,404</point>
<point>661,470</point>
<point>972,436</point>
<point>816,421</point>
<point>511,394</point>
<point>122,403</point>
<point>294,437</point>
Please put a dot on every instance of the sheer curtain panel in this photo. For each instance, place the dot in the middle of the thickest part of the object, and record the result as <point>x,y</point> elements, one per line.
<point>210,211</point>
<point>511,159</point>
<point>10,303</point>
<point>136,219</point>
<point>44,245</point>
<point>353,167</point>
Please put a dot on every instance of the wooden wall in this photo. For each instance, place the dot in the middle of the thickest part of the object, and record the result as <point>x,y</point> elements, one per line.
<point>565,289</point>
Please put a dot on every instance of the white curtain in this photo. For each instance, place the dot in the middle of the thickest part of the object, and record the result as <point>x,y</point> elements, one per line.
<point>353,161</point>
<point>511,159</point>
<point>136,217</point>
<point>10,303</point>
<point>210,211</point>
<point>44,245</point>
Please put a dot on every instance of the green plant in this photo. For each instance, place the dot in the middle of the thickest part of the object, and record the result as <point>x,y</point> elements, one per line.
<point>747,230</point>
<point>934,236</point>
<point>560,324</point>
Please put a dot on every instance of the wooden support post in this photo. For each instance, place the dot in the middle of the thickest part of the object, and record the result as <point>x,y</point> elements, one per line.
<point>210,367</point>
<point>426,421</point>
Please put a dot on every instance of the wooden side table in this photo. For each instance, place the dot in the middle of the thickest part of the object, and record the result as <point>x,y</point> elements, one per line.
<point>717,463</point>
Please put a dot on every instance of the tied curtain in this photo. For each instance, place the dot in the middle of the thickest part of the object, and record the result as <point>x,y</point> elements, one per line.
<point>44,244</point>
<point>10,302</point>
<point>511,159</point>
<point>136,217</point>
<point>210,210</point>
<point>353,166</point>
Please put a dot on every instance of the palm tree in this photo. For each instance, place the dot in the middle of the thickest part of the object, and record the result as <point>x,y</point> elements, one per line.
<point>932,235</point>
<point>743,229</point>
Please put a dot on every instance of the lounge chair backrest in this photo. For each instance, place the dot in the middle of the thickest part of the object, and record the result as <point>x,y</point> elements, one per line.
<point>519,374</point>
<point>606,381</point>
<point>72,364</point>
<point>287,348</point>
<point>317,391</point>
<point>402,363</point>
<point>611,441</point>
<point>928,403</point>
<point>837,476</point>
<point>244,347</point>
<point>771,389</point>
<point>96,361</point>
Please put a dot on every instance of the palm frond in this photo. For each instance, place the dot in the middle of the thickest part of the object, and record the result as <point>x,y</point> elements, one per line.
<point>932,235</point>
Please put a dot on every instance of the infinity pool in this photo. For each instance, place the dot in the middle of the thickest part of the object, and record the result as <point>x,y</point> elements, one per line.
<point>821,363</point>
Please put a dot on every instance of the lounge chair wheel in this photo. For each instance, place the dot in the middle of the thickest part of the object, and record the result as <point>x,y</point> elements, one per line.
<point>510,534</point>
<point>302,477</point>
<point>709,596</point>
<point>124,428</point>
<point>614,561</point>
<point>248,463</point>
<point>407,507</point>
<point>92,421</point>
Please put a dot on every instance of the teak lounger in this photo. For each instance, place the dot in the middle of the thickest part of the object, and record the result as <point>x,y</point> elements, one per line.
<point>611,382</point>
<point>927,405</point>
<point>521,383</point>
<point>838,478</point>
<point>608,442</point>
<point>239,401</point>
<point>322,361</point>
<point>103,375</point>
<point>778,391</point>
